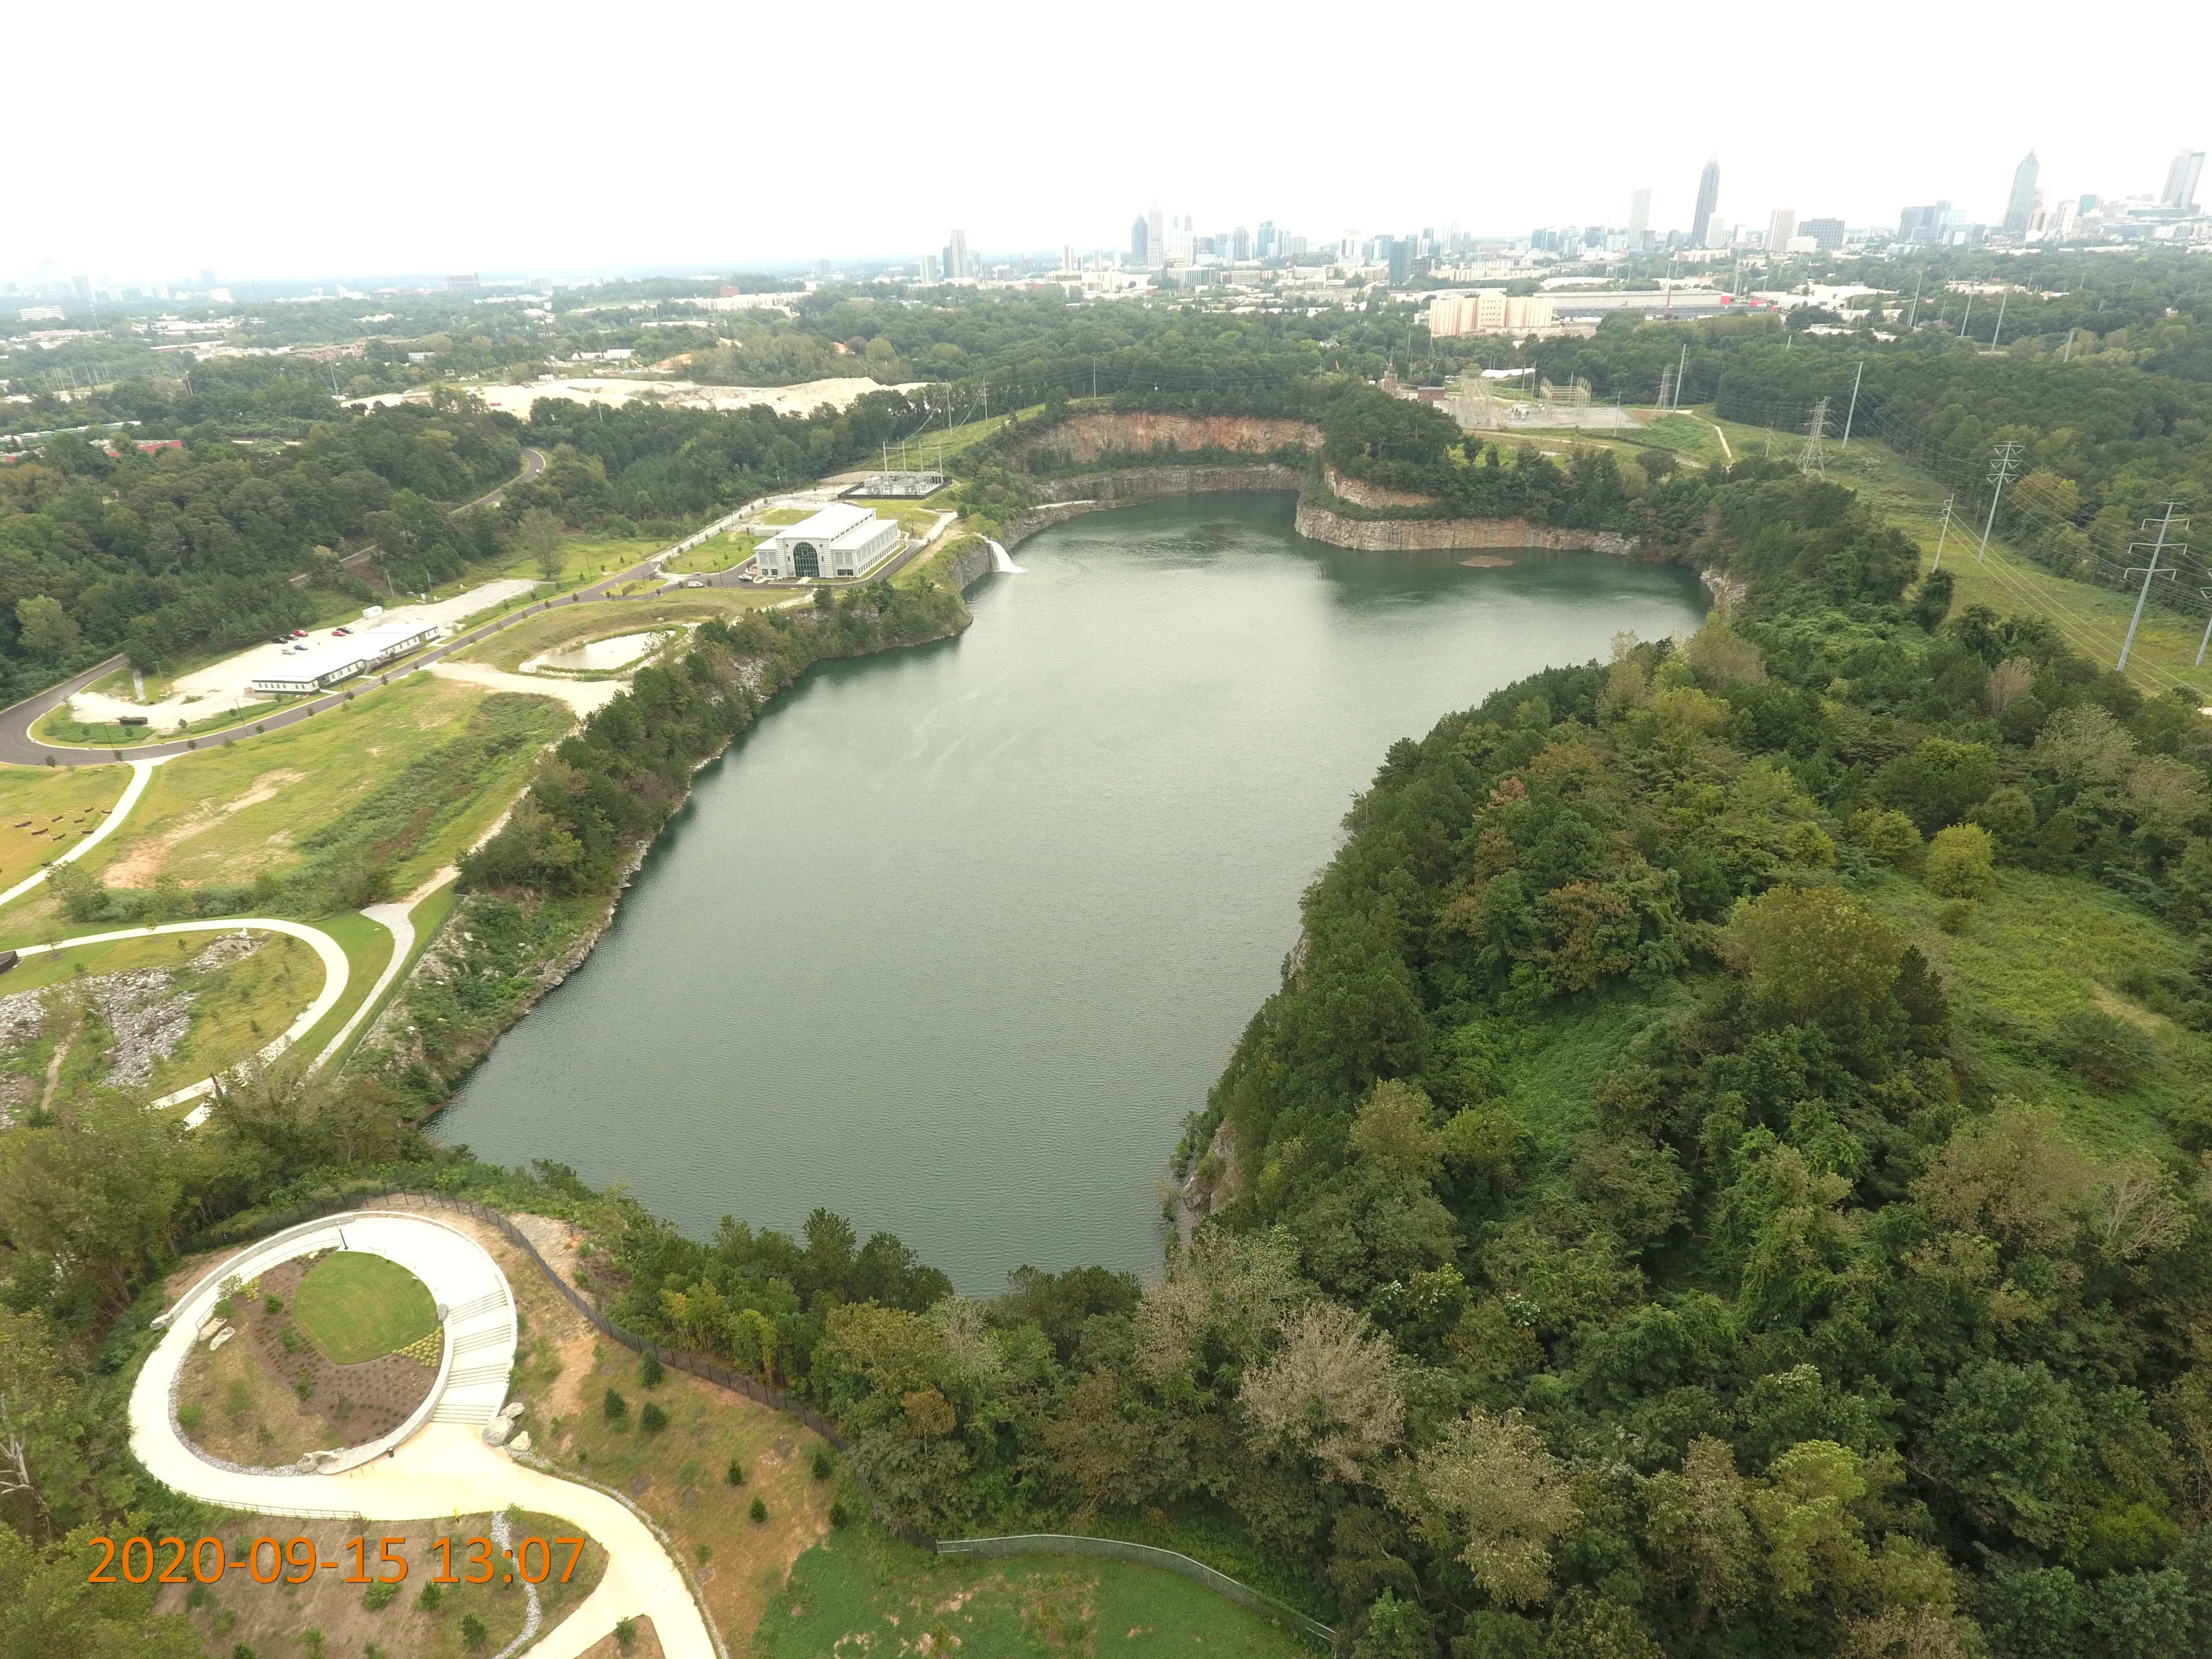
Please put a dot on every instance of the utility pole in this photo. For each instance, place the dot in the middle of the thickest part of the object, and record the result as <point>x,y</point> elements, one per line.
<point>1968,318</point>
<point>1809,458</point>
<point>2149,570</point>
<point>2204,593</point>
<point>1999,330</point>
<point>1912,311</point>
<point>1682,367</point>
<point>1851,414</point>
<point>1944,534</point>
<point>1666,383</point>
<point>2002,464</point>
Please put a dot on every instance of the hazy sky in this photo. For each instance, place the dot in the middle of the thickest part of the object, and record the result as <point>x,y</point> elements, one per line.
<point>270,140</point>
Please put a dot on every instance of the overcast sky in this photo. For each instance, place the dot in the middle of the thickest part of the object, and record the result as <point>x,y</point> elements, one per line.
<point>268,141</point>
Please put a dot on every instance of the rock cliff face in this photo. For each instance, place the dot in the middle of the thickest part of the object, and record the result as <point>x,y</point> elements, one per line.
<point>1372,496</point>
<point>1086,440</point>
<point>1410,535</point>
<point>1146,483</point>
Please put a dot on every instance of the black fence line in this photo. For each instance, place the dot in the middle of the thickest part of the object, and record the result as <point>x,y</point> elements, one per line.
<point>738,1383</point>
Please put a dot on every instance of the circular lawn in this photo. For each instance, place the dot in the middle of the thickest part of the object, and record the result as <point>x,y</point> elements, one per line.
<point>354,1306</point>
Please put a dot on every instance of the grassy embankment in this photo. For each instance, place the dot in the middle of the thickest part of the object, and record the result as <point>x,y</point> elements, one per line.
<point>2093,621</point>
<point>580,624</point>
<point>329,1616</point>
<point>863,1588</point>
<point>2038,948</point>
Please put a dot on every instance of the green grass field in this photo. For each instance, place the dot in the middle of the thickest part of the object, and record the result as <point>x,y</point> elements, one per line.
<point>2036,949</point>
<point>44,809</point>
<point>354,1306</point>
<point>409,767</point>
<point>860,1590</point>
<point>730,548</point>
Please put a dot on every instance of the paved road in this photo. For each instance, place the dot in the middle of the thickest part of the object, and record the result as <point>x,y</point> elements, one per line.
<point>18,748</point>
<point>533,463</point>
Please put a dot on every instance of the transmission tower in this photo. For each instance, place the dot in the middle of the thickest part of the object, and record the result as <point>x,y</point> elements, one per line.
<point>2004,467</point>
<point>1944,534</point>
<point>2163,524</point>
<point>1810,458</point>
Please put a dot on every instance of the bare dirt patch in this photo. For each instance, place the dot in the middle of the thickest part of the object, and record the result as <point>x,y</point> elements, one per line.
<point>142,859</point>
<point>265,1397</point>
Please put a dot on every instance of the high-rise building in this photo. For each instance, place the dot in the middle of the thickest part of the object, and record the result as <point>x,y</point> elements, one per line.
<point>1916,225</point>
<point>956,255</point>
<point>1156,234</point>
<point>1827,235</point>
<point>1269,245</point>
<point>1140,242</point>
<point>2181,179</point>
<point>1639,211</point>
<point>1709,199</point>
<point>2021,203</point>
<point>1240,245</point>
<point>1067,256</point>
<point>1781,226</point>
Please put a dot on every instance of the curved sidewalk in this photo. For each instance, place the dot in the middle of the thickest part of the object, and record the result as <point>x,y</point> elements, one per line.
<point>336,973</point>
<point>142,774</point>
<point>445,1469</point>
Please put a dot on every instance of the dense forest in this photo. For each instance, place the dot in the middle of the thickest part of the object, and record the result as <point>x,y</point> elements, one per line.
<point>1665,1209</point>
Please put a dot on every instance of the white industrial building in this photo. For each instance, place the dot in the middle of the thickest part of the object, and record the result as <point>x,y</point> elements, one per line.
<point>327,662</point>
<point>838,541</point>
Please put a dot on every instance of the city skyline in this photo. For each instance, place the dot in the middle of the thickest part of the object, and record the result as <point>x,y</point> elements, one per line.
<point>674,191</point>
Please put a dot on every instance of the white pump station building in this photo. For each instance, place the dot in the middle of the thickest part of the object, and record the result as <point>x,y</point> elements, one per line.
<point>842,540</point>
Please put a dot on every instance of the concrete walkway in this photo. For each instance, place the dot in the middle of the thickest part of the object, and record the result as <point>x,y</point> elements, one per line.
<point>142,774</point>
<point>337,971</point>
<point>445,1469</point>
<point>399,922</point>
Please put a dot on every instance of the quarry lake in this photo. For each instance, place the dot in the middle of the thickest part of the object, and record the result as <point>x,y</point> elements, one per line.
<point>956,937</point>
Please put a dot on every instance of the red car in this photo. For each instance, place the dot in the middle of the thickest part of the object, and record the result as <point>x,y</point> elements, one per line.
<point>298,632</point>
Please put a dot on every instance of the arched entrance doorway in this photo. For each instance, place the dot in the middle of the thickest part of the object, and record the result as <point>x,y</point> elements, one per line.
<point>805,560</point>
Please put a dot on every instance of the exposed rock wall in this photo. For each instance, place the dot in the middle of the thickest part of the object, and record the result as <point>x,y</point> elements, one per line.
<point>1147,483</point>
<point>1086,440</point>
<point>1373,495</point>
<point>1410,535</point>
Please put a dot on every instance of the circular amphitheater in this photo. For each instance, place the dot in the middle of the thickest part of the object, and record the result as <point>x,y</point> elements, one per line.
<point>392,1321</point>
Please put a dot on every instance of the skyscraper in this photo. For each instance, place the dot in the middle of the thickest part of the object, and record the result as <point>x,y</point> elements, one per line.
<point>956,256</point>
<point>1640,210</point>
<point>1781,226</point>
<point>2181,179</point>
<point>2021,202</point>
<point>1155,233</point>
<point>1708,198</point>
<point>1140,242</point>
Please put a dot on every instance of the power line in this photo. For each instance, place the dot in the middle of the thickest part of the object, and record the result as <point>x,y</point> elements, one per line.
<point>2002,463</point>
<point>1810,458</point>
<point>2150,571</point>
<point>1945,533</point>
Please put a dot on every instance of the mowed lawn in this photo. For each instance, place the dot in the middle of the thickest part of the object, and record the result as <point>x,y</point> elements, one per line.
<point>354,1306</point>
<point>403,770</point>
<point>46,809</point>
<point>861,1591</point>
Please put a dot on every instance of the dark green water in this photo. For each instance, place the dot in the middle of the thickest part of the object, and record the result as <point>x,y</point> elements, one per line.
<point>956,937</point>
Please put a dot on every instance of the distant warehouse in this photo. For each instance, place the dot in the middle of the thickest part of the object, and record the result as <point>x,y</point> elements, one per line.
<point>334,660</point>
<point>838,541</point>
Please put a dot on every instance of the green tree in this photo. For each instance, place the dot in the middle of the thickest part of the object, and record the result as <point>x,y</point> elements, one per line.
<point>1961,862</point>
<point>1815,953</point>
<point>47,631</point>
<point>538,537</point>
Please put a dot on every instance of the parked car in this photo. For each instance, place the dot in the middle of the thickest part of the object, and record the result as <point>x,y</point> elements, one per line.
<point>694,582</point>
<point>341,631</point>
<point>298,632</point>
<point>282,639</point>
